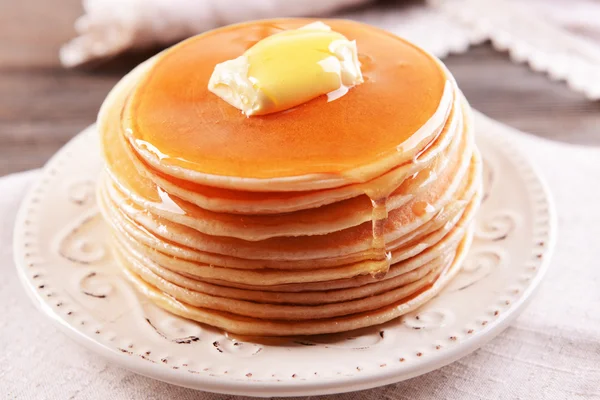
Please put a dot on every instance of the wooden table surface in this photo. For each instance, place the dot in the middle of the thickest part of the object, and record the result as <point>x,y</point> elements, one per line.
<point>43,105</point>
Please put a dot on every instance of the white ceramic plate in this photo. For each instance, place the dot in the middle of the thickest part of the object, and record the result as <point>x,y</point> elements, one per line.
<point>63,260</point>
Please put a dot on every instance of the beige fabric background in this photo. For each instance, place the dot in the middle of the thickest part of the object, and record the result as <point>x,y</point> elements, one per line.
<point>552,351</point>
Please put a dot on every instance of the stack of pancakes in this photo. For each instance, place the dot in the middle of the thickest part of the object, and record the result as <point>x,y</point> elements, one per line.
<point>304,227</point>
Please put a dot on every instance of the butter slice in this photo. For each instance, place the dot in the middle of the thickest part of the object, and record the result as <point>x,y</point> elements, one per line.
<point>287,69</point>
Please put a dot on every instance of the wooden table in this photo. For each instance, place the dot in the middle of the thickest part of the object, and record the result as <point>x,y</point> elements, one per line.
<point>43,105</point>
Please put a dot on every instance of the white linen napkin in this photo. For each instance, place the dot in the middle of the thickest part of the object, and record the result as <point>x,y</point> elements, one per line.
<point>552,351</point>
<point>557,37</point>
<point>550,36</point>
<point>110,27</point>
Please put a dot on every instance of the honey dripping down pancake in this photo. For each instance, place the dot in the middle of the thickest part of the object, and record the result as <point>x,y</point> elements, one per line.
<point>289,177</point>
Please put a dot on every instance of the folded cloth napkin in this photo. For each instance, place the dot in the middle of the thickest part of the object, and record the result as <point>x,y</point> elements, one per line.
<point>581,17</point>
<point>552,351</point>
<point>110,27</point>
<point>558,37</point>
<point>550,36</point>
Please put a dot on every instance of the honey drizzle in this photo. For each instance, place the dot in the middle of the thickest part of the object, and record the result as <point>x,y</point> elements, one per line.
<point>379,216</point>
<point>379,191</point>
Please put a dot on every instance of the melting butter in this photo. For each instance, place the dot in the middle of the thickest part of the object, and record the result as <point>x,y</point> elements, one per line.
<point>287,69</point>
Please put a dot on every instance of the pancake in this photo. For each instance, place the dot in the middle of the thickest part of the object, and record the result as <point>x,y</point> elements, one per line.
<point>400,250</point>
<point>251,160</point>
<point>154,273</point>
<point>250,326</point>
<point>143,237</point>
<point>335,244</point>
<point>294,312</point>
<point>330,216</point>
<point>267,277</point>
<point>313,221</point>
<point>141,181</point>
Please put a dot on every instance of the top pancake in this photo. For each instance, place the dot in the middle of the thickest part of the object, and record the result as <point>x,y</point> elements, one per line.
<point>176,125</point>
